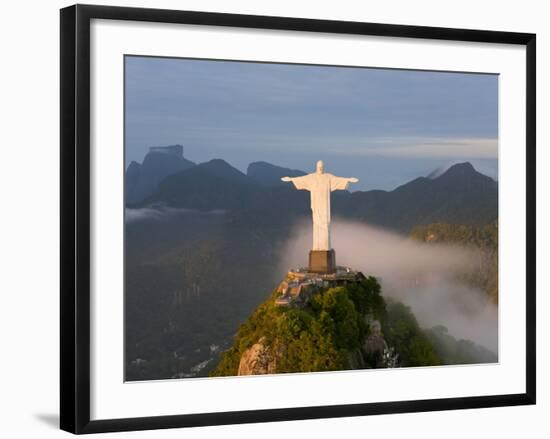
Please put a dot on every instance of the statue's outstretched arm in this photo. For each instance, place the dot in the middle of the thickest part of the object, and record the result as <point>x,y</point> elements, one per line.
<point>300,183</point>
<point>341,183</point>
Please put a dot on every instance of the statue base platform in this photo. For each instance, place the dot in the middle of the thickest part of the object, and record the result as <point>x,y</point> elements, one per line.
<point>301,283</point>
<point>322,261</point>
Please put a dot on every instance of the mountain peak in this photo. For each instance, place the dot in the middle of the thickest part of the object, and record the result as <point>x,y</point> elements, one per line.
<point>465,166</point>
<point>160,162</point>
<point>218,165</point>
<point>219,168</point>
<point>271,341</point>
<point>462,176</point>
<point>216,162</point>
<point>459,171</point>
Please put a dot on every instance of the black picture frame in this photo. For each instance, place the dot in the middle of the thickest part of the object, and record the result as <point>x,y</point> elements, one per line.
<point>75,217</point>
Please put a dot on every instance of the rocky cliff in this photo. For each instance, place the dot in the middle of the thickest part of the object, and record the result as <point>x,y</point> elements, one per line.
<point>337,328</point>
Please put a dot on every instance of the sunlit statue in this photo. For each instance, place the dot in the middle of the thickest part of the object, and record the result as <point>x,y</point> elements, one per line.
<point>320,184</point>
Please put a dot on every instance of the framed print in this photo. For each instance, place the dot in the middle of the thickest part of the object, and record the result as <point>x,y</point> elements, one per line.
<point>273,218</point>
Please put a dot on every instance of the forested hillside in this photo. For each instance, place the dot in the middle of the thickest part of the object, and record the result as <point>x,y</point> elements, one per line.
<point>330,333</point>
<point>482,240</point>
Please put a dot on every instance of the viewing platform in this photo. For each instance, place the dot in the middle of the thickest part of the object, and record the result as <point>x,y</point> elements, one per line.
<point>300,284</point>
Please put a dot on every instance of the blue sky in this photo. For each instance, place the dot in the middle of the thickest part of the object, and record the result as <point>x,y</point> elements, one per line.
<point>385,127</point>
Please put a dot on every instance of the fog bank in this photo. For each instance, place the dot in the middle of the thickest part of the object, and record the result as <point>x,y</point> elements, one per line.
<point>418,274</point>
<point>163,213</point>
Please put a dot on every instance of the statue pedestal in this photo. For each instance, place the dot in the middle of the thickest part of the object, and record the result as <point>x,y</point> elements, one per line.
<point>322,261</point>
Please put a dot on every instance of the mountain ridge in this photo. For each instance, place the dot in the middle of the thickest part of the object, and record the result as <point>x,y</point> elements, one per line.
<point>460,195</point>
<point>208,186</point>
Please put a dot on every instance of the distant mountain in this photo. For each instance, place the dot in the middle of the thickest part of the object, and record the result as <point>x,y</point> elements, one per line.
<point>461,195</point>
<point>161,161</point>
<point>220,169</point>
<point>465,176</point>
<point>483,168</point>
<point>207,186</point>
<point>270,175</point>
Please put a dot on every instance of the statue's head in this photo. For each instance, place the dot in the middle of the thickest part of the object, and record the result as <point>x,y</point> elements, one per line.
<point>320,167</point>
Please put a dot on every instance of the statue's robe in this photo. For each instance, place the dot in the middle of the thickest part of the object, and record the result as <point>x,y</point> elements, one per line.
<point>320,186</point>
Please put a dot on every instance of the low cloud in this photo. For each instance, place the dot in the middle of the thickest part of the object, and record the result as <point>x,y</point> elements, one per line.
<point>418,274</point>
<point>431,147</point>
<point>361,144</point>
<point>163,213</point>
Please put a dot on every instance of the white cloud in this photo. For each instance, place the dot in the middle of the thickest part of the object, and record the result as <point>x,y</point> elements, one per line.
<point>392,147</point>
<point>435,147</point>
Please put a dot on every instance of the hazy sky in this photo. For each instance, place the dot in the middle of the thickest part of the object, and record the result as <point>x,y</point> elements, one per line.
<point>385,127</point>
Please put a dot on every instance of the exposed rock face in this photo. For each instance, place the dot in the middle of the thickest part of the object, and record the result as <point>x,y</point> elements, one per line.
<point>258,360</point>
<point>375,340</point>
<point>375,344</point>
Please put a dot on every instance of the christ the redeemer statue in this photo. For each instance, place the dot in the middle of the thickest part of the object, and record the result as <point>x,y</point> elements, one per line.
<point>320,184</point>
